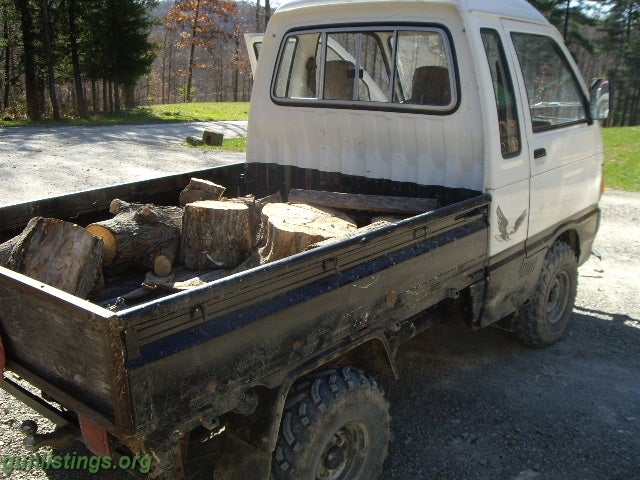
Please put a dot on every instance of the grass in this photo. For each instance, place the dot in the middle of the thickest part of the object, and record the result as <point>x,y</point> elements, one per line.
<point>622,158</point>
<point>233,144</point>
<point>176,112</point>
<point>203,111</point>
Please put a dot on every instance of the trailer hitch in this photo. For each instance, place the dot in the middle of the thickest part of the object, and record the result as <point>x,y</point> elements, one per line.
<point>33,441</point>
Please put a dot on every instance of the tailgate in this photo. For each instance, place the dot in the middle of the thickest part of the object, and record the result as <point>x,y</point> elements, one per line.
<point>67,347</point>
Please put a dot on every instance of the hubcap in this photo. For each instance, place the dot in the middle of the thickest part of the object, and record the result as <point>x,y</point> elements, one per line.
<point>558,298</point>
<point>345,453</point>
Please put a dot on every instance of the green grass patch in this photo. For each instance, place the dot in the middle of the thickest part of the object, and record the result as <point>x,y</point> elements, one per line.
<point>176,112</point>
<point>233,144</point>
<point>203,111</point>
<point>622,158</point>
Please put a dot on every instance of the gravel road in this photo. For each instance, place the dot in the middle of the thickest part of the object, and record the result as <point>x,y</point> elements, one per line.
<point>468,405</point>
<point>38,162</point>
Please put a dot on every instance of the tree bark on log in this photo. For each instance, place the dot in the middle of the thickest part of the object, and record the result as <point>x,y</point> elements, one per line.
<point>370,203</point>
<point>216,234</point>
<point>290,229</point>
<point>58,253</point>
<point>198,190</point>
<point>140,236</point>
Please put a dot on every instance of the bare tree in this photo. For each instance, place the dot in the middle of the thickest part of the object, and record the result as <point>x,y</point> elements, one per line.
<point>48,48</point>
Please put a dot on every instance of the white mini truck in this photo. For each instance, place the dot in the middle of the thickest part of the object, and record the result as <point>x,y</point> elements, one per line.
<point>474,108</point>
<point>462,94</point>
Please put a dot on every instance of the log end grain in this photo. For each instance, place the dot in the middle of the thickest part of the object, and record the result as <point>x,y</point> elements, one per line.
<point>109,240</point>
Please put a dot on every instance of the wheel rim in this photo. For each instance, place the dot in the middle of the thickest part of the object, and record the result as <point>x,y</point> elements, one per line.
<point>345,453</point>
<point>558,298</point>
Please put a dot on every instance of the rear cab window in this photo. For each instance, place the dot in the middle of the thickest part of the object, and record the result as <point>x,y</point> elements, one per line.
<point>387,67</point>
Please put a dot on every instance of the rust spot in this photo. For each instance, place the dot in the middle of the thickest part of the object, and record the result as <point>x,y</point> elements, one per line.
<point>297,345</point>
<point>136,444</point>
<point>392,299</point>
<point>212,386</point>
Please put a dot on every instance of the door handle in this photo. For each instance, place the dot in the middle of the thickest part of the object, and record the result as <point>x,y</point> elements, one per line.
<point>539,153</point>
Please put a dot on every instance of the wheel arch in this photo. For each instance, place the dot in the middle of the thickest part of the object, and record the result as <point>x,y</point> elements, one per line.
<point>250,440</point>
<point>572,238</point>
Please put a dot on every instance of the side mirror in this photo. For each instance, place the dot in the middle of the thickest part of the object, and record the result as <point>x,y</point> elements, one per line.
<point>600,98</point>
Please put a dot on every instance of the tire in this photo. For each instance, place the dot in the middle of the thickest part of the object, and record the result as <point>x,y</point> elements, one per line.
<point>335,425</point>
<point>544,319</point>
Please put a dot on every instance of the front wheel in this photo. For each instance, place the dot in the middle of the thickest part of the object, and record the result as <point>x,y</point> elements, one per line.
<point>335,426</point>
<point>544,319</point>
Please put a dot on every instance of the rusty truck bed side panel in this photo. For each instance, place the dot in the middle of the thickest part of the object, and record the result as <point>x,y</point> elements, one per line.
<point>69,347</point>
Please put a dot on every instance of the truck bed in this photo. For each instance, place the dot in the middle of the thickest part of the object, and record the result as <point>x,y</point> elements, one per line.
<point>144,371</point>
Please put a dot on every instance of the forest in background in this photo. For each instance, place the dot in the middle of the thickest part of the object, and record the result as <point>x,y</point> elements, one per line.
<point>77,58</point>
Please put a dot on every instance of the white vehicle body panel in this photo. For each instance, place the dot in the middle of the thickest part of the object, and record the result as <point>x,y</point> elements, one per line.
<point>401,146</point>
<point>460,149</point>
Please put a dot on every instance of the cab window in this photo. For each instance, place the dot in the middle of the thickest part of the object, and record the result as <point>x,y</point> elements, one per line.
<point>555,97</point>
<point>387,67</point>
<point>503,92</point>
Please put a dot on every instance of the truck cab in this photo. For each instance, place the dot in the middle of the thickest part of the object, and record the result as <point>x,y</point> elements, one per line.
<point>463,94</point>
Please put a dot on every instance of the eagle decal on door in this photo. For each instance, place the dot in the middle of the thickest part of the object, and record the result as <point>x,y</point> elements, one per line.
<point>503,225</point>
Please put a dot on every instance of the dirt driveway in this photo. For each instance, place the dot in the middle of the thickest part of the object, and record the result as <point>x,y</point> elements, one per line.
<point>37,162</point>
<point>478,405</point>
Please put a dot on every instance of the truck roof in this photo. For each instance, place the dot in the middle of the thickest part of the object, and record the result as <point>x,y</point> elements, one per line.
<point>517,9</point>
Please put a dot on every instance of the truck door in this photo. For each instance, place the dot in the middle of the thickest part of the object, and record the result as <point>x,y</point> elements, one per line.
<point>254,44</point>
<point>507,177</point>
<point>563,142</point>
<point>507,173</point>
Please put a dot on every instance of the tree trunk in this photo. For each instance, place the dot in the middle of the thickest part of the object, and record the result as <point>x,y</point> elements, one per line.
<point>258,16</point>
<point>48,47</point>
<point>236,71</point>
<point>567,14</point>
<point>194,34</point>
<point>215,234</point>
<point>129,96</point>
<point>57,253</point>
<point>116,96</point>
<point>140,236</point>
<point>105,93</point>
<point>94,95</point>
<point>267,12</point>
<point>7,57</point>
<point>34,105</point>
<point>81,104</point>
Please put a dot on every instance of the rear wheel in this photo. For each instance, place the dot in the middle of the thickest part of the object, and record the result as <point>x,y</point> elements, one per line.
<point>544,319</point>
<point>335,426</point>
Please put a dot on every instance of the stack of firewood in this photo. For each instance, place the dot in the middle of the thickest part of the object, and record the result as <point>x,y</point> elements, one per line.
<point>207,232</point>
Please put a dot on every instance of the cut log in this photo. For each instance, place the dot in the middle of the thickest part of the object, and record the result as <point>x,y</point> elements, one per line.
<point>212,138</point>
<point>290,229</point>
<point>370,203</point>
<point>273,198</point>
<point>255,214</point>
<point>198,190</point>
<point>58,253</point>
<point>360,231</point>
<point>215,234</point>
<point>140,236</point>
